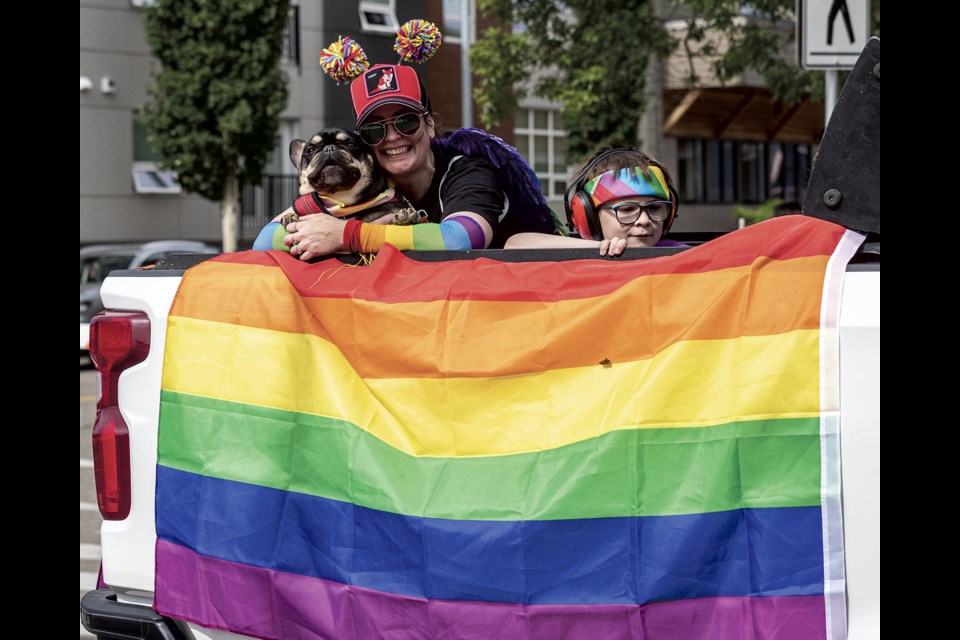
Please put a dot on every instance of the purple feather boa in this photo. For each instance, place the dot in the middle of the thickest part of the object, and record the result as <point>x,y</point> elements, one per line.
<point>520,183</point>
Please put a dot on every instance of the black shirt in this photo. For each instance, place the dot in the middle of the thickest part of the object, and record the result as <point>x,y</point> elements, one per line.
<point>462,183</point>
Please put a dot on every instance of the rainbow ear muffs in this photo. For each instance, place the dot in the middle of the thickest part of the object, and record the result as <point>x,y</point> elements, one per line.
<point>582,215</point>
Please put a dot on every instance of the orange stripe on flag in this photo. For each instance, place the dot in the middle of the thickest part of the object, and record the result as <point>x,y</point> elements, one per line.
<point>383,340</point>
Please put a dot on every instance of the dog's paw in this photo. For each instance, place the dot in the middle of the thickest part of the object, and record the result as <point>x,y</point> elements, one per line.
<point>407,217</point>
<point>287,218</point>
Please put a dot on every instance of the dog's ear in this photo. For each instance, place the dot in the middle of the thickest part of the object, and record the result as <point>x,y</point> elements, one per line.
<point>296,152</point>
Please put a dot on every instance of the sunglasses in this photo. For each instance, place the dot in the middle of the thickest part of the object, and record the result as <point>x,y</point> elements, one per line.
<point>630,212</point>
<point>406,124</point>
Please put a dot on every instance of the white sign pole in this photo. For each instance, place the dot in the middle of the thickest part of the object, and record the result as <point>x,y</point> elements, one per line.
<point>830,94</point>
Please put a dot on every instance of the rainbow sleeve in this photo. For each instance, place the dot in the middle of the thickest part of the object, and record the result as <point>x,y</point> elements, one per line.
<point>271,237</point>
<point>454,233</point>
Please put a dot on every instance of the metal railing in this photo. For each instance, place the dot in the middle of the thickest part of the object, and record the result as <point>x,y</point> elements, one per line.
<point>261,203</point>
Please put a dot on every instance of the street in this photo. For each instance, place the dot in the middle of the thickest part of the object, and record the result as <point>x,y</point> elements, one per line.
<point>89,513</point>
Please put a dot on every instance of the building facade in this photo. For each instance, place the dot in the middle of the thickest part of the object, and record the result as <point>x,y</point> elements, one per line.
<point>115,65</point>
<point>726,145</point>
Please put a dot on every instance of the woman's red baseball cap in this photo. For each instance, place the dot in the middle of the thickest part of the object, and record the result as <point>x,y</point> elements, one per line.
<point>387,84</point>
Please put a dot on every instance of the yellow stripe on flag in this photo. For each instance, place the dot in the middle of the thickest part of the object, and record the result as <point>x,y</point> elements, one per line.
<point>690,384</point>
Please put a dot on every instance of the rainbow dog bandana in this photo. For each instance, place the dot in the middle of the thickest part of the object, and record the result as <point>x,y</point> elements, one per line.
<point>627,182</point>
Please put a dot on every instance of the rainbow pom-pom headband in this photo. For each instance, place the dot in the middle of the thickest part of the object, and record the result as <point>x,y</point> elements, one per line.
<point>344,60</point>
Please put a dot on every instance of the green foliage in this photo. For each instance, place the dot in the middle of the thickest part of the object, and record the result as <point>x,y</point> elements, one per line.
<point>498,86</point>
<point>758,36</point>
<point>765,43</point>
<point>595,53</point>
<point>219,91</point>
<point>758,214</point>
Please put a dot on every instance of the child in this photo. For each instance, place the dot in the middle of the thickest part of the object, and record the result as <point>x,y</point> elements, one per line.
<point>621,198</point>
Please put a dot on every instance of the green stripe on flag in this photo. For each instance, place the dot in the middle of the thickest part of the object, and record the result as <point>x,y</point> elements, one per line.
<point>641,472</point>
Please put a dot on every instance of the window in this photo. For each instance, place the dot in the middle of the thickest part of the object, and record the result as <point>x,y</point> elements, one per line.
<point>147,176</point>
<point>753,173</point>
<point>721,171</point>
<point>378,16</point>
<point>729,171</point>
<point>789,170</point>
<point>290,53</point>
<point>690,170</point>
<point>452,20</point>
<point>543,143</point>
<point>143,151</point>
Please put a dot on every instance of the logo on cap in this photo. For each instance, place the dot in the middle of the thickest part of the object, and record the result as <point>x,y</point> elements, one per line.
<point>380,80</point>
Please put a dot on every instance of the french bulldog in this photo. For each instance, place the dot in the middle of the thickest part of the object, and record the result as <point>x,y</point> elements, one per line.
<point>340,170</point>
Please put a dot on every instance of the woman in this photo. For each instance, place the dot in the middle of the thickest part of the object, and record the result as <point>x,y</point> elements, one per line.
<point>621,198</point>
<point>462,196</point>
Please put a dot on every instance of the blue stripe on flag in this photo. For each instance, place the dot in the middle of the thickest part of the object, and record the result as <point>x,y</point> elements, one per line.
<point>745,552</point>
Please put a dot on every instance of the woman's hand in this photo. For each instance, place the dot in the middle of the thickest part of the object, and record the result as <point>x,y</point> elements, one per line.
<point>612,246</point>
<point>315,236</point>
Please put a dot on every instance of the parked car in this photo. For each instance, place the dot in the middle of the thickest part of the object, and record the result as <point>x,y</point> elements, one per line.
<point>96,261</point>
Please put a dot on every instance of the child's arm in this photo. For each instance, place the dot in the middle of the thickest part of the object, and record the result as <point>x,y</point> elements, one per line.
<point>612,246</point>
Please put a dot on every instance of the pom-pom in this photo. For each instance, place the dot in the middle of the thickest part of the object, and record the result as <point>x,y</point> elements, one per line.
<point>417,41</point>
<point>344,60</point>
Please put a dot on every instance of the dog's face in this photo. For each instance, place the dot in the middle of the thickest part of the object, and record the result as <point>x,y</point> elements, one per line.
<point>335,163</point>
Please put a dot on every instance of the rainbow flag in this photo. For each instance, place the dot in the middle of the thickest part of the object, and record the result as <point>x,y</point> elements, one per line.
<point>477,449</point>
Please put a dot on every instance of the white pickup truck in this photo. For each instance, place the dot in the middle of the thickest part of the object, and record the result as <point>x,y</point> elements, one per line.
<point>129,349</point>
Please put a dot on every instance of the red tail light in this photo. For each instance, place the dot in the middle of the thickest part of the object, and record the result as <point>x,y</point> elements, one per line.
<point>118,340</point>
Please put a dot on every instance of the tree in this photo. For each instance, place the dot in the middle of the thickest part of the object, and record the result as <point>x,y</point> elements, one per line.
<point>218,94</point>
<point>743,36</point>
<point>594,55</point>
<point>758,36</point>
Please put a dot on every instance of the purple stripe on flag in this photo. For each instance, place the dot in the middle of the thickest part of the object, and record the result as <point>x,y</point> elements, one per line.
<point>274,604</point>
